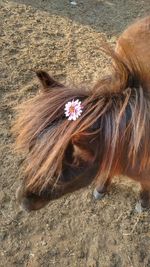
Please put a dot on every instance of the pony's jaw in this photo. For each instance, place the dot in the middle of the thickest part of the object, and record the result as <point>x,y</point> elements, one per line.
<point>29,203</point>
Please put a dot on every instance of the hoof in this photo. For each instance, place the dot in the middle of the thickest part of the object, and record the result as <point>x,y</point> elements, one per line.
<point>139,208</point>
<point>98,195</point>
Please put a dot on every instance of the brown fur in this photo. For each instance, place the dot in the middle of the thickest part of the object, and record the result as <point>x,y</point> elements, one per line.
<point>111,137</point>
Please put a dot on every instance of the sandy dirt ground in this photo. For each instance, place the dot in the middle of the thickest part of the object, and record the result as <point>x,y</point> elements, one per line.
<point>74,231</point>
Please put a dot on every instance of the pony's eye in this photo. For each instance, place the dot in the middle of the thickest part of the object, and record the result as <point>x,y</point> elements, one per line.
<point>69,157</point>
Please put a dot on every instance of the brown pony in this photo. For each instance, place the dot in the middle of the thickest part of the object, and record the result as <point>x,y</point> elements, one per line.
<point>111,137</point>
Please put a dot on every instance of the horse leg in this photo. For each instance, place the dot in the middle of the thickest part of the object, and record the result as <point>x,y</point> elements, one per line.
<point>101,190</point>
<point>144,202</point>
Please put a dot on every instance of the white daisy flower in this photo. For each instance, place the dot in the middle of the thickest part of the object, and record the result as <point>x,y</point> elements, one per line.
<point>73,109</point>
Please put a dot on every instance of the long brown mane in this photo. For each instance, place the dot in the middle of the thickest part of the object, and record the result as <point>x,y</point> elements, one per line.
<point>118,104</point>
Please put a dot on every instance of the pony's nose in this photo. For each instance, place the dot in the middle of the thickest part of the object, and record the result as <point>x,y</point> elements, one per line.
<point>25,205</point>
<point>29,201</point>
<point>23,201</point>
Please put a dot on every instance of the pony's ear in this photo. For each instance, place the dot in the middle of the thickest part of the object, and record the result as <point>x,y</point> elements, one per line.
<point>46,80</point>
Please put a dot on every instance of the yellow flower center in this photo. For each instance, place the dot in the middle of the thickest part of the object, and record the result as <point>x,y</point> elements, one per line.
<point>71,109</point>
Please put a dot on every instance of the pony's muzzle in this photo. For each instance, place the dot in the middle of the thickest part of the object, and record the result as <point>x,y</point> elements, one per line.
<point>23,201</point>
<point>29,201</point>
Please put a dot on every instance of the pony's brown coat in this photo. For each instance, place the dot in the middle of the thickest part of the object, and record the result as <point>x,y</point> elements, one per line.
<point>134,47</point>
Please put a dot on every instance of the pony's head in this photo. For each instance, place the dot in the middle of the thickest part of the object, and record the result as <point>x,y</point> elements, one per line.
<point>61,154</point>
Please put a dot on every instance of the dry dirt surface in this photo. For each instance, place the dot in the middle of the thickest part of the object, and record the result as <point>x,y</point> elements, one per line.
<point>74,231</point>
